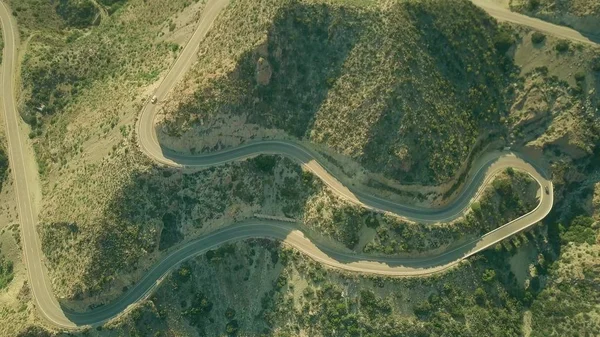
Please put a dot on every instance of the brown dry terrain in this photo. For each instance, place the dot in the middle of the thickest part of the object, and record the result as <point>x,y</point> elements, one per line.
<point>95,235</point>
<point>109,213</point>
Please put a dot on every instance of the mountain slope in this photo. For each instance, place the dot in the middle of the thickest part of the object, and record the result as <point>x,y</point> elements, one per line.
<point>405,88</point>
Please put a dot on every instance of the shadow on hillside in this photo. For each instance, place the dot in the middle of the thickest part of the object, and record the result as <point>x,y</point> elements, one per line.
<point>454,94</point>
<point>306,48</point>
<point>204,244</point>
<point>592,37</point>
<point>148,215</point>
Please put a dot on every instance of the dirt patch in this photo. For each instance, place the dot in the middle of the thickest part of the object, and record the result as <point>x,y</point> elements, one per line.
<point>529,56</point>
<point>180,27</point>
<point>526,324</point>
<point>521,263</point>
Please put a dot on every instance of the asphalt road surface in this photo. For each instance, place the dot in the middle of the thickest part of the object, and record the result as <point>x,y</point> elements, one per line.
<point>25,177</point>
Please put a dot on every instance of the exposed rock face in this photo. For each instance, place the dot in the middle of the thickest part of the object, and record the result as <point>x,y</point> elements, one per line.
<point>531,107</point>
<point>263,71</point>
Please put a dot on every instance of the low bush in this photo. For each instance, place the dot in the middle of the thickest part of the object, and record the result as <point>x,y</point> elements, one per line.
<point>579,231</point>
<point>503,41</point>
<point>77,13</point>
<point>562,46</point>
<point>6,272</point>
<point>538,37</point>
<point>533,5</point>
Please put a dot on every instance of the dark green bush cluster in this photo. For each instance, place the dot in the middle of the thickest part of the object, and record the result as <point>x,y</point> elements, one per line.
<point>199,309</point>
<point>6,272</point>
<point>373,305</point>
<point>533,5</point>
<point>538,37</point>
<point>503,41</point>
<point>170,234</point>
<point>3,167</point>
<point>562,46</point>
<point>77,13</point>
<point>596,64</point>
<point>579,231</point>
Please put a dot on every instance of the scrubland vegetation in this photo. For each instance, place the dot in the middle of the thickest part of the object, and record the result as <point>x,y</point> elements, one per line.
<point>284,293</point>
<point>82,88</point>
<point>407,89</point>
<point>3,166</point>
<point>6,271</point>
<point>511,195</point>
<point>60,68</point>
<point>158,208</point>
<point>338,76</point>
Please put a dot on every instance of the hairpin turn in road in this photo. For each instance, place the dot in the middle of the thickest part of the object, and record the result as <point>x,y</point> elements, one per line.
<point>24,177</point>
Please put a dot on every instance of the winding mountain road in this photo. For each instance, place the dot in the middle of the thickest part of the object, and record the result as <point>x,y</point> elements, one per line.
<point>43,295</point>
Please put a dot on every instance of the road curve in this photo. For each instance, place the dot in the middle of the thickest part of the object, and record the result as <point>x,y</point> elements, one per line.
<point>24,178</point>
<point>501,13</point>
<point>42,291</point>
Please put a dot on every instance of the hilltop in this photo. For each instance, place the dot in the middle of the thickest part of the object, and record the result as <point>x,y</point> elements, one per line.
<point>407,89</point>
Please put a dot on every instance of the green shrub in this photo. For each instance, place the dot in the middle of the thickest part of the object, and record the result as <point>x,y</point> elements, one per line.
<point>503,41</point>
<point>579,76</point>
<point>265,163</point>
<point>423,309</point>
<point>480,296</point>
<point>579,231</point>
<point>488,276</point>
<point>562,46</point>
<point>596,64</point>
<point>373,305</point>
<point>200,308</point>
<point>533,5</point>
<point>170,234</point>
<point>183,274</point>
<point>538,37</point>
<point>6,272</point>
